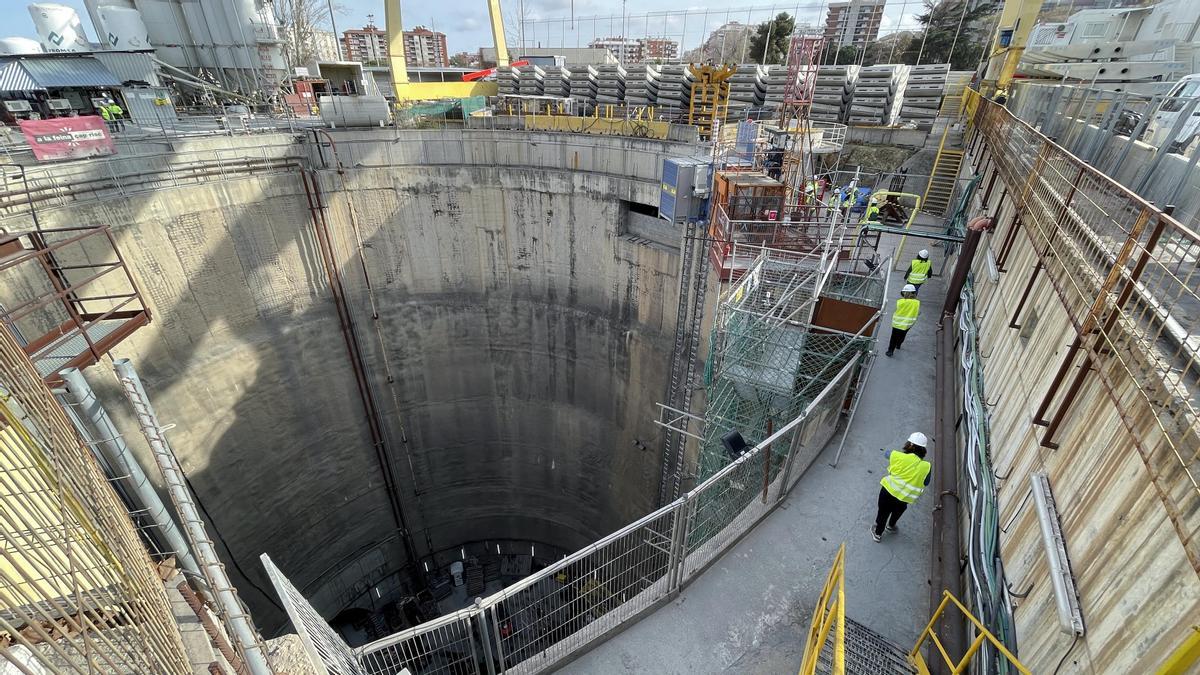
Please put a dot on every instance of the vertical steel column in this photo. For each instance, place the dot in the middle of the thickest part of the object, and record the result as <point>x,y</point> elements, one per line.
<point>119,456</point>
<point>218,580</point>
<point>1025,295</point>
<point>945,570</point>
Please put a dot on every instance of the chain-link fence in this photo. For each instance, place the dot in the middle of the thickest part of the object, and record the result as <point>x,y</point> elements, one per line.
<point>542,620</point>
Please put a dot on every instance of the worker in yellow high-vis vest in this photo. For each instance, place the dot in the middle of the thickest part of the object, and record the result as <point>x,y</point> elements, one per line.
<point>905,316</point>
<point>919,269</point>
<point>907,476</point>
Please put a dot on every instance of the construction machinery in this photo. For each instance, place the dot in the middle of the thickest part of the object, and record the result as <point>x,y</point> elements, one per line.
<point>420,91</point>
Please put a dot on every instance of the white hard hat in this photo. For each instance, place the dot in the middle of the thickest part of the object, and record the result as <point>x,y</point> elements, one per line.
<point>918,438</point>
<point>908,288</point>
<point>923,254</point>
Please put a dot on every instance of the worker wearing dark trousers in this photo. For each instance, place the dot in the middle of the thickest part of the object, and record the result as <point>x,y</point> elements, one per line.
<point>906,479</point>
<point>905,316</point>
<point>918,270</point>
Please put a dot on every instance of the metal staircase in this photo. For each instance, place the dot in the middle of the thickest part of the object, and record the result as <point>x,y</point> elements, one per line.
<point>940,191</point>
<point>867,653</point>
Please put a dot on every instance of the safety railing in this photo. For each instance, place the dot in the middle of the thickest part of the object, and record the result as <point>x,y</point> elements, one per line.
<point>545,618</point>
<point>829,620</point>
<point>961,664</point>
<point>1126,274</point>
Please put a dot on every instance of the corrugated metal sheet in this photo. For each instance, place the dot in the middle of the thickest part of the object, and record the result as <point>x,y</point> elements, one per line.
<point>14,78</point>
<point>131,66</point>
<point>51,73</point>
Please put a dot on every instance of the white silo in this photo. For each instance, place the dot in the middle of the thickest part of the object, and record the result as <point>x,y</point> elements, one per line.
<point>124,27</point>
<point>59,28</point>
<point>14,46</point>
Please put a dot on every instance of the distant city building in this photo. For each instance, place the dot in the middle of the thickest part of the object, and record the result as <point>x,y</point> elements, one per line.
<point>317,45</point>
<point>365,45</point>
<point>626,50</point>
<point>424,47</point>
<point>638,50</point>
<point>658,49</point>
<point>854,23</point>
<point>465,59</point>
<point>727,43</point>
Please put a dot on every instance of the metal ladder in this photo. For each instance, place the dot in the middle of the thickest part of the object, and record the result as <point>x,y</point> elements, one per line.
<point>231,609</point>
<point>693,287</point>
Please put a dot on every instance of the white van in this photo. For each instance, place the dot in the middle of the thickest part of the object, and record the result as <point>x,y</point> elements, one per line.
<point>1168,113</point>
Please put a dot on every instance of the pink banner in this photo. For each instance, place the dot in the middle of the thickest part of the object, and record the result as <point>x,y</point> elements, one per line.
<point>68,137</point>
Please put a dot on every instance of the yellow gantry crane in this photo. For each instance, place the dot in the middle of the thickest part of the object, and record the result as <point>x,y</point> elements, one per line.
<point>1012,32</point>
<point>410,91</point>
<point>710,97</point>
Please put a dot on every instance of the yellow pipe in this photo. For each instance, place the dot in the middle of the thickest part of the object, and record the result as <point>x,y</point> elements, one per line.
<point>1184,657</point>
<point>498,32</point>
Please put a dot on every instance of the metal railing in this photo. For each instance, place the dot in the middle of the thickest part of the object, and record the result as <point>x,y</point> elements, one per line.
<point>538,622</point>
<point>1127,276</point>
<point>982,635</point>
<point>829,620</point>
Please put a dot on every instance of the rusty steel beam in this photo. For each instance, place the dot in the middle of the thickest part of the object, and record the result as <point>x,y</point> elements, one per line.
<point>1025,295</point>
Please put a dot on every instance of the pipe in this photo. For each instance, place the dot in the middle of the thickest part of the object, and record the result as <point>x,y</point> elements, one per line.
<point>236,617</point>
<point>118,455</point>
<point>945,570</point>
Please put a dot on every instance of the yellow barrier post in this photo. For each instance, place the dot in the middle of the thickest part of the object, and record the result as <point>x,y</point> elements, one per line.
<point>829,613</point>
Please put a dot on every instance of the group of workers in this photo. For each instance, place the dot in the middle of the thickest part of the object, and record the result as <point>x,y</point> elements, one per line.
<point>908,470</point>
<point>112,114</point>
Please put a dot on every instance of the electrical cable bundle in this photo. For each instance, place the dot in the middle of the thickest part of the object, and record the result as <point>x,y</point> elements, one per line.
<point>985,569</point>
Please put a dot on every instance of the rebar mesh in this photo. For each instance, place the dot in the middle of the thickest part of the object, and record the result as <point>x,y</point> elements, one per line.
<point>78,593</point>
<point>1126,274</point>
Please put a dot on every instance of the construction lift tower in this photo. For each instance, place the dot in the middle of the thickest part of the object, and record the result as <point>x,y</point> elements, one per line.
<point>710,98</point>
<point>803,55</point>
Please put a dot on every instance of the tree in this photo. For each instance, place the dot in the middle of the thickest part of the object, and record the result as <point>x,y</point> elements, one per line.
<point>770,43</point>
<point>726,44</point>
<point>954,33</point>
<point>302,21</point>
<point>888,49</point>
<point>839,56</point>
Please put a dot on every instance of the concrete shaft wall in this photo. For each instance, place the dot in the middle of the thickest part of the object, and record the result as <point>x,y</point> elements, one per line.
<point>520,344</point>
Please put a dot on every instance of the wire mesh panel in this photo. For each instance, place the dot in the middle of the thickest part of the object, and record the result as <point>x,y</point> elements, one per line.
<point>729,503</point>
<point>544,618</point>
<point>449,645</point>
<point>326,649</point>
<point>77,592</point>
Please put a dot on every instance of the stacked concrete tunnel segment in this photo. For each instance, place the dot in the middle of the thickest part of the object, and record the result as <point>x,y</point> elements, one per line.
<point>514,335</point>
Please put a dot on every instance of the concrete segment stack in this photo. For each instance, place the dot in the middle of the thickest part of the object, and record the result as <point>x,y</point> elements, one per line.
<point>877,95</point>
<point>675,86</point>
<point>641,84</point>
<point>923,94</point>
<point>583,84</point>
<point>531,80</point>
<point>833,92</point>
<point>610,83</point>
<point>774,85</point>
<point>746,90</point>
<point>557,82</point>
<point>506,79</point>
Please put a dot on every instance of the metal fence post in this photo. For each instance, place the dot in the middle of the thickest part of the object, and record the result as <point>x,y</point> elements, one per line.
<point>501,666</point>
<point>481,619</point>
<point>678,529</point>
<point>793,450</point>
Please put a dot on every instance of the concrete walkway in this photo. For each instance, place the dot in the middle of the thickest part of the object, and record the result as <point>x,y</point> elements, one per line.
<point>749,612</point>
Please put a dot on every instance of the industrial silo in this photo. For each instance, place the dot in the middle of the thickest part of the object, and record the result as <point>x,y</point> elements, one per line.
<point>59,28</point>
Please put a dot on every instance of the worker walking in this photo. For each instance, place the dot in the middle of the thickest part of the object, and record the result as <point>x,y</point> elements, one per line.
<point>919,269</point>
<point>905,316</point>
<point>907,476</point>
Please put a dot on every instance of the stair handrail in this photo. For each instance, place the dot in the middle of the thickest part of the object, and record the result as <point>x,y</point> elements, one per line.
<point>917,661</point>
<point>829,614</point>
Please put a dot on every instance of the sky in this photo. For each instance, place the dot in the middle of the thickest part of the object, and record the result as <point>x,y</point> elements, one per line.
<point>548,22</point>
